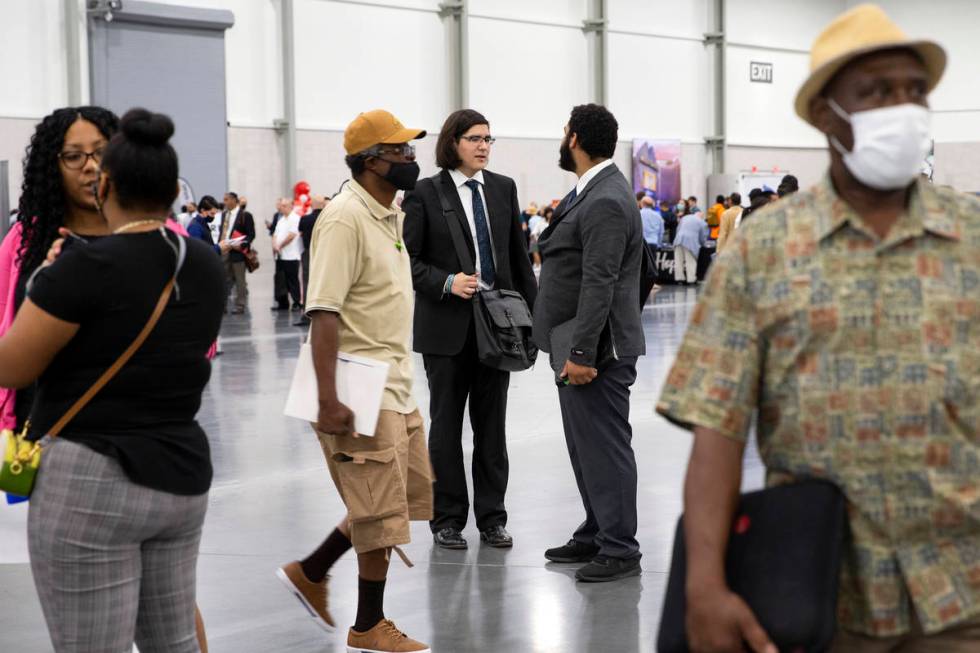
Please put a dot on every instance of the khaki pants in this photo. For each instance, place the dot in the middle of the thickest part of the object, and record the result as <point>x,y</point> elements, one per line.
<point>685,265</point>
<point>385,481</point>
<point>961,638</point>
<point>235,278</point>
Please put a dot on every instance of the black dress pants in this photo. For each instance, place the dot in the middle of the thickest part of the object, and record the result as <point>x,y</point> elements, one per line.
<point>290,271</point>
<point>279,291</point>
<point>599,439</point>
<point>453,379</point>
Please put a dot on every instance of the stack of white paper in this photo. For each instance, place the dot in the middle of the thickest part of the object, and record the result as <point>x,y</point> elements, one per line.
<point>360,386</point>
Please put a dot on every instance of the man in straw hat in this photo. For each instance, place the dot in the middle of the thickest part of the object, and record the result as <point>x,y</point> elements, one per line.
<point>361,301</point>
<point>847,320</point>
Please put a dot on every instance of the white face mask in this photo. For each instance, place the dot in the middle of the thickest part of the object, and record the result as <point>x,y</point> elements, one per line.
<point>890,144</point>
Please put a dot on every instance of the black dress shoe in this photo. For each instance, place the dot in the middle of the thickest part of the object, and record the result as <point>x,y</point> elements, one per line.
<point>497,537</point>
<point>572,552</point>
<point>449,538</point>
<point>603,569</point>
<point>279,308</point>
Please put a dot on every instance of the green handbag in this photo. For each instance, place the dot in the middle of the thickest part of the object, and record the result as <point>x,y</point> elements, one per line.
<point>22,458</point>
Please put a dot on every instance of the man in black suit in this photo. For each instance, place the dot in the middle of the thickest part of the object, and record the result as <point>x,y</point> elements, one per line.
<point>587,316</point>
<point>487,213</point>
<point>236,219</point>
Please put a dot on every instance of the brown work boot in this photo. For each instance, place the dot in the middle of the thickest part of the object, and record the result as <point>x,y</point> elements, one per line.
<point>312,595</point>
<point>383,638</point>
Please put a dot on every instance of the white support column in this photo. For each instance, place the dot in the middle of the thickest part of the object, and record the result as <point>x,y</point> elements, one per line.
<point>75,61</point>
<point>286,126</point>
<point>595,26</point>
<point>454,13</point>
<point>717,39</point>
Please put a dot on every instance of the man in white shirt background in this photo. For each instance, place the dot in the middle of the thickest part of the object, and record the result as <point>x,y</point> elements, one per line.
<point>288,247</point>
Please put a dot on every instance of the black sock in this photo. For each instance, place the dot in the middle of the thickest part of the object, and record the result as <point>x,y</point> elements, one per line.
<point>370,604</point>
<point>316,566</point>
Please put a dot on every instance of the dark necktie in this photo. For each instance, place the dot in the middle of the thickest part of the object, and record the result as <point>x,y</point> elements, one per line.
<point>487,272</point>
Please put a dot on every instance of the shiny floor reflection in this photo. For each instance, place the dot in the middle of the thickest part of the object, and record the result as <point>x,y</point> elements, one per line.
<point>273,501</point>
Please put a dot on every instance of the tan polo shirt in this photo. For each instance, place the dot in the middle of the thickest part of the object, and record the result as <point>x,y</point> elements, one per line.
<point>359,269</point>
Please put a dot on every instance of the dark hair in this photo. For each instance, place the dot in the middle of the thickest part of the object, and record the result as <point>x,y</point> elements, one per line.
<point>596,129</point>
<point>457,124</point>
<point>755,192</point>
<point>41,210</point>
<point>788,185</point>
<point>720,199</point>
<point>736,198</point>
<point>356,163</point>
<point>207,203</point>
<point>640,195</point>
<point>694,199</point>
<point>547,210</point>
<point>141,162</point>
<point>234,196</point>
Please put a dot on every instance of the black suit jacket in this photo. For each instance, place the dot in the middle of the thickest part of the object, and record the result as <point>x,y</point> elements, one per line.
<point>306,224</point>
<point>442,322</point>
<point>591,256</point>
<point>246,225</point>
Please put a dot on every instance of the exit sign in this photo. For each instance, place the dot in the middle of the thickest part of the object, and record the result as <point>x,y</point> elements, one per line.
<point>760,71</point>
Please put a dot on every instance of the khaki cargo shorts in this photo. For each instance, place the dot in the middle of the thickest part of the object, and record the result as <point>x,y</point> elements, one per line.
<point>385,481</point>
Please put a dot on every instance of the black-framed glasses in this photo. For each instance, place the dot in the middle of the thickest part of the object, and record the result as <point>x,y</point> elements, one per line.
<point>400,149</point>
<point>76,159</point>
<point>489,140</point>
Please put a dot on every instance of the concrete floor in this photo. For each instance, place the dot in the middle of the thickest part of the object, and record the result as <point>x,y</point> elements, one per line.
<point>273,501</point>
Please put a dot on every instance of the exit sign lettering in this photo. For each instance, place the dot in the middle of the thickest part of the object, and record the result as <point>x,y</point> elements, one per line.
<point>760,71</point>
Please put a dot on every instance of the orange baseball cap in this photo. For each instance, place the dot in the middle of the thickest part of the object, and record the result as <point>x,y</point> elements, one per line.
<point>375,127</point>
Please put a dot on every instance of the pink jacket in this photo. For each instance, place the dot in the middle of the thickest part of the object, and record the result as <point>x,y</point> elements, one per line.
<point>9,274</point>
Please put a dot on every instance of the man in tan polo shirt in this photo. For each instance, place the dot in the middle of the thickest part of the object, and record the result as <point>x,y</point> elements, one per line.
<point>360,300</point>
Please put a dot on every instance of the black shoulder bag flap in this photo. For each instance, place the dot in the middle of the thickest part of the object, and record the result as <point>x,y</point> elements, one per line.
<point>501,318</point>
<point>783,558</point>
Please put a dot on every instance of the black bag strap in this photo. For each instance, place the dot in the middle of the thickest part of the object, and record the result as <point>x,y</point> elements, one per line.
<point>462,251</point>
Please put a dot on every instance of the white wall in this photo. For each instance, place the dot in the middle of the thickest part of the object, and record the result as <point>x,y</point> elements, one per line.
<point>352,58</point>
<point>526,78</point>
<point>779,32</point>
<point>33,75</point>
<point>659,88</point>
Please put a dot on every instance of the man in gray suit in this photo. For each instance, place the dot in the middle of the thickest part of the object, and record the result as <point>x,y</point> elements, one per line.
<point>588,317</point>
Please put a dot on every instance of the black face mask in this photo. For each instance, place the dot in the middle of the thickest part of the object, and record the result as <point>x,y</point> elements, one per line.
<point>402,175</point>
<point>565,159</point>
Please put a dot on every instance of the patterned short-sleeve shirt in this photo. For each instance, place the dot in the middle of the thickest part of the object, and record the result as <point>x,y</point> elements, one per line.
<point>861,358</point>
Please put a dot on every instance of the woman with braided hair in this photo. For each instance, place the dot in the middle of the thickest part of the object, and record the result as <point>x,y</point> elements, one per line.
<point>60,170</point>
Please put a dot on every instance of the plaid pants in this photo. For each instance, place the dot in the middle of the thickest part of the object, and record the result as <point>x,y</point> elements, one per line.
<point>113,561</point>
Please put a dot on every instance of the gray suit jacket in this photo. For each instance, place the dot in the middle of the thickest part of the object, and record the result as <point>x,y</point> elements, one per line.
<point>591,255</point>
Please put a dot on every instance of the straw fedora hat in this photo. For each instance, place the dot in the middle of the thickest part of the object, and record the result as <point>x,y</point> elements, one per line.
<point>859,31</point>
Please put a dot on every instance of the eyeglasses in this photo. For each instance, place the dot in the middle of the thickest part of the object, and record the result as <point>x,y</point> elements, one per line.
<point>76,160</point>
<point>489,140</point>
<point>401,149</point>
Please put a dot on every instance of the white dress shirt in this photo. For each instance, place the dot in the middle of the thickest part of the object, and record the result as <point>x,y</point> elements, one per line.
<point>230,222</point>
<point>289,225</point>
<point>584,180</point>
<point>466,198</point>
